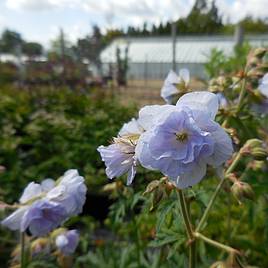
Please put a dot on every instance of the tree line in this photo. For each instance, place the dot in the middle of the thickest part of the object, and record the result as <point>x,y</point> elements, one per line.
<point>203,19</point>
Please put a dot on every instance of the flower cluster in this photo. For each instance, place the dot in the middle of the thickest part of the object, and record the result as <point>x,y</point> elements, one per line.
<point>178,140</point>
<point>67,242</point>
<point>44,206</point>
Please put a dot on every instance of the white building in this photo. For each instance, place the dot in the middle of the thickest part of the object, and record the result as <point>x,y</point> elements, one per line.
<point>151,57</point>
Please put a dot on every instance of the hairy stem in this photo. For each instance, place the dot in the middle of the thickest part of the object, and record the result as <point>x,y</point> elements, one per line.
<point>188,225</point>
<point>242,95</point>
<point>215,194</point>
<point>216,244</point>
<point>22,250</point>
<point>185,214</point>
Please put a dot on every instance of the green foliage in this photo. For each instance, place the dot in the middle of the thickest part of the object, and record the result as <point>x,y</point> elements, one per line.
<point>10,42</point>
<point>32,49</point>
<point>219,64</point>
<point>45,132</point>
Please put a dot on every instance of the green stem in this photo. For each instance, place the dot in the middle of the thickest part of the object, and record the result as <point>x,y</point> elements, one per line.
<point>234,164</point>
<point>22,250</point>
<point>215,194</point>
<point>187,222</point>
<point>216,244</point>
<point>210,204</point>
<point>192,254</point>
<point>185,214</point>
<point>242,95</point>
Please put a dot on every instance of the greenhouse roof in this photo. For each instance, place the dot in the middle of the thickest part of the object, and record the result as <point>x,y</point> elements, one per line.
<point>189,49</point>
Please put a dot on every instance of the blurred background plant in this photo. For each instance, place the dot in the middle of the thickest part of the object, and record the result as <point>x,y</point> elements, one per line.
<point>57,107</point>
<point>48,130</point>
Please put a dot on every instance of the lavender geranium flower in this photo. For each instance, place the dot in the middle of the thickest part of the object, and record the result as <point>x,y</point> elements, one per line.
<point>42,217</point>
<point>169,91</point>
<point>55,199</point>
<point>185,139</point>
<point>67,242</point>
<point>70,192</point>
<point>119,158</point>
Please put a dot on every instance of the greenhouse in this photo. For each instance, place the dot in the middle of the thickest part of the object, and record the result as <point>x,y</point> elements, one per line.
<point>151,57</point>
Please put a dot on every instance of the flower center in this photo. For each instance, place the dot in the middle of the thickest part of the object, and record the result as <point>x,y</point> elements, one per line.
<point>182,137</point>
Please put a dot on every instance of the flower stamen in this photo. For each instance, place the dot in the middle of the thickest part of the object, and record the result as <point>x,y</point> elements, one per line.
<point>182,137</point>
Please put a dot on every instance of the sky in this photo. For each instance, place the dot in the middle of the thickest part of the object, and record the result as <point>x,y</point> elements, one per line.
<point>40,20</point>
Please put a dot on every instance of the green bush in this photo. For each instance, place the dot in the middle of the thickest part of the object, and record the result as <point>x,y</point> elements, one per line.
<point>45,132</point>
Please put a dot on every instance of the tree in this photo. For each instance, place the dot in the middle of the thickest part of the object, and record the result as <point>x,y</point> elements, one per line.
<point>32,49</point>
<point>91,46</point>
<point>204,18</point>
<point>11,42</point>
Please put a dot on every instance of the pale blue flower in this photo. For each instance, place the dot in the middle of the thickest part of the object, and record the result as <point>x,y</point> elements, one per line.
<point>70,192</point>
<point>42,217</point>
<point>131,128</point>
<point>68,195</point>
<point>34,190</point>
<point>39,218</point>
<point>67,242</point>
<point>169,91</point>
<point>263,85</point>
<point>184,139</point>
<point>119,158</point>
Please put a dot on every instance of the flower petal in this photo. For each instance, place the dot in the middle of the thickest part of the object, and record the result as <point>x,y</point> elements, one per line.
<point>184,74</point>
<point>223,147</point>
<point>200,100</point>
<point>263,86</point>
<point>13,221</point>
<point>31,191</point>
<point>148,115</point>
<point>172,78</point>
<point>130,128</point>
<point>192,177</point>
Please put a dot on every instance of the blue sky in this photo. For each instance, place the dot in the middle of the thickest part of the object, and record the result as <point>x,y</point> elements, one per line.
<point>40,20</point>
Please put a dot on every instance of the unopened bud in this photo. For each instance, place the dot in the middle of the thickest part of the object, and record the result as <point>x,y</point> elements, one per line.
<point>158,195</point>
<point>242,190</point>
<point>262,68</point>
<point>153,185</point>
<point>57,232</point>
<point>259,154</point>
<point>255,148</point>
<point>110,187</point>
<point>40,245</point>
<point>259,52</point>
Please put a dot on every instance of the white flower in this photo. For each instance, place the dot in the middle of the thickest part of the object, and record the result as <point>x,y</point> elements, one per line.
<point>169,90</point>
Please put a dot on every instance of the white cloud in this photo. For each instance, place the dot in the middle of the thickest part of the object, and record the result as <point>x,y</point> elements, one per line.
<point>113,13</point>
<point>138,11</point>
<point>238,9</point>
<point>34,5</point>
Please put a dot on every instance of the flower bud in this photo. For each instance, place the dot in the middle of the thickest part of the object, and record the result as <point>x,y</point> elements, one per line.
<point>40,245</point>
<point>113,186</point>
<point>242,190</point>
<point>259,52</point>
<point>158,195</point>
<point>153,185</point>
<point>255,148</point>
<point>259,154</point>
